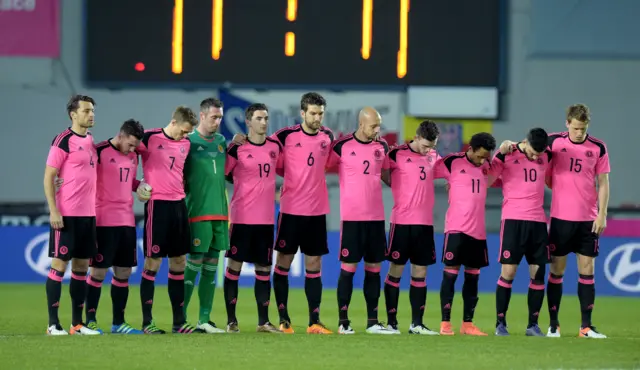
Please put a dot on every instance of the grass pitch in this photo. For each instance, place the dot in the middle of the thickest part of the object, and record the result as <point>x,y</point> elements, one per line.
<point>24,345</point>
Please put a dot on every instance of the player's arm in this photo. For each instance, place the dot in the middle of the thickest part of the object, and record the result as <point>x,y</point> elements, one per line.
<point>442,168</point>
<point>547,173</point>
<point>334,156</point>
<point>231,162</point>
<point>58,154</point>
<point>496,168</point>
<point>385,173</point>
<point>602,170</point>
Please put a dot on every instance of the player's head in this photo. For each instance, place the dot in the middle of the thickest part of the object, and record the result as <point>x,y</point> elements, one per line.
<point>536,142</point>
<point>480,147</point>
<point>129,136</point>
<point>426,136</point>
<point>369,122</point>
<point>312,107</point>
<point>182,123</point>
<point>80,109</point>
<point>578,118</point>
<point>257,117</point>
<point>210,115</point>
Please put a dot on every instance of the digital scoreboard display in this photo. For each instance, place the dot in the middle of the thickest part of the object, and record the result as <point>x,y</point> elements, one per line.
<point>272,43</point>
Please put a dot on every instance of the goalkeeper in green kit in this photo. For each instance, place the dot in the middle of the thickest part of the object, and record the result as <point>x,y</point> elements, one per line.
<point>208,209</point>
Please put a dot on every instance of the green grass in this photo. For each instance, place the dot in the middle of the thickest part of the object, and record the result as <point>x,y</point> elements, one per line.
<point>23,344</point>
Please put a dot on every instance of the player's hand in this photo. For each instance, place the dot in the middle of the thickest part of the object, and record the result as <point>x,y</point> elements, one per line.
<point>58,183</point>
<point>599,225</point>
<point>507,146</point>
<point>239,139</point>
<point>55,219</point>
<point>144,191</point>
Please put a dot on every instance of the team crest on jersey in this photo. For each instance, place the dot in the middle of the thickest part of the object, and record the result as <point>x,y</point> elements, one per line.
<point>272,154</point>
<point>484,171</point>
<point>181,149</point>
<point>220,148</point>
<point>377,154</point>
<point>430,159</point>
<point>589,154</point>
<point>540,161</point>
<point>323,144</point>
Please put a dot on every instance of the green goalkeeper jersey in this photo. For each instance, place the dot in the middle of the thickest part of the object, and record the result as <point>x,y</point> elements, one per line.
<point>204,178</point>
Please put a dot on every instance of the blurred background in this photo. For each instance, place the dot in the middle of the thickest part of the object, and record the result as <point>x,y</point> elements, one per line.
<point>499,66</point>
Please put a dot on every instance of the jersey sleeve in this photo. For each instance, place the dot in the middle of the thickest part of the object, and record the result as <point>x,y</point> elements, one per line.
<point>393,155</point>
<point>334,156</point>
<point>385,161</point>
<point>497,165</point>
<point>143,147</point>
<point>602,166</point>
<point>441,170</point>
<point>232,160</point>
<point>59,151</point>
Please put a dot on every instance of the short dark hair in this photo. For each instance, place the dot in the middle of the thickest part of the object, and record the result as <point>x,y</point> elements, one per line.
<point>185,114</point>
<point>312,98</point>
<point>208,103</point>
<point>74,103</point>
<point>483,140</point>
<point>131,127</point>
<point>537,138</point>
<point>580,112</point>
<point>428,130</point>
<point>248,113</point>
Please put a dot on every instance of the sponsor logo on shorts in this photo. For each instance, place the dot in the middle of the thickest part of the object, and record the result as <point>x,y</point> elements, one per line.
<point>622,267</point>
<point>64,249</point>
<point>395,255</point>
<point>234,250</point>
<point>99,257</point>
<point>506,254</point>
<point>196,242</point>
<point>344,252</point>
<point>155,249</point>
<point>448,256</point>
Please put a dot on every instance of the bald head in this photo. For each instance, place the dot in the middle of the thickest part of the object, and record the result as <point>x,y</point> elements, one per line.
<point>369,121</point>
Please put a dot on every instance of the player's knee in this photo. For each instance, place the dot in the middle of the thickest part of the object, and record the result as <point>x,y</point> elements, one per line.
<point>537,273</point>
<point>263,268</point>
<point>586,265</point>
<point>284,260</point>
<point>508,271</point>
<point>59,265</point>
<point>98,273</point>
<point>313,263</point>
<point>418,271</point>
<point>372,268</point>
<point>81,265</point>
<point>122,273</point>
<point>196,258</point>
<point>348,269</point>
<point>152,264</point>
<point>233,264</point>
<point>395,270</point>
<point>558,265</point>
<point>177,263</point>
<point>210,261</point>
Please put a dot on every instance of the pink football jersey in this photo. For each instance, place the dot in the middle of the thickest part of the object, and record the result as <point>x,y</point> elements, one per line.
<point>163,164</point>
<point>574,173</point>
<point>467,194</point>
<point>116,182</point>
<point>304,190</point>
<point>252,168</point>
<point>74,157</point>
<point>360,166</point>
<point>412,186</point>
<point>522,184</point>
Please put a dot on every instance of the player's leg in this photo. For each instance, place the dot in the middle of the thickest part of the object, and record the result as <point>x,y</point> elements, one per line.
<point>314,245</point>
<point>374,253</point>
<point>207,285</point>
<point>201,239</point>
<point>397,254</point>
<point>180,242</point>
<point>59,262</point>
<point>475,257</point>
<point>83,250</point>
<point>513,240</point>
<point>538,256</point>
<point>587,252</point>
<point>423,254</point>
<point>155,248</point>
<point>287,243</point>
<point>261,255</point>
<point>451,260</point>
<point>281,288</point>
<point>126,257</point>
<point>351,252</point>
<point>236,255</point>
<point>561,239</point>
<point>107,240</point>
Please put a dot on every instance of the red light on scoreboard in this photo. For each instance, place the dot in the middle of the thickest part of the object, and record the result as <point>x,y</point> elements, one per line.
<point>139,67</point>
